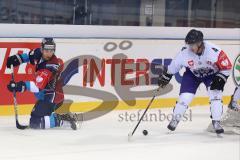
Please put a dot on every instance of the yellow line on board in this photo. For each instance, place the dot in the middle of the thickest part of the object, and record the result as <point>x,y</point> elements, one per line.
<point>121,105</point>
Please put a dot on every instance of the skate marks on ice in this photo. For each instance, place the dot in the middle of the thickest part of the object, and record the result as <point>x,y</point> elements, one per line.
<point>106,137</point>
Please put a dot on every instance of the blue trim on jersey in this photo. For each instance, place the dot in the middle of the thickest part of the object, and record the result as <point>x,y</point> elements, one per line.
<point>25,57</point>
<point>40,95</point>
<point>52,120</point>
<point>28,85</point>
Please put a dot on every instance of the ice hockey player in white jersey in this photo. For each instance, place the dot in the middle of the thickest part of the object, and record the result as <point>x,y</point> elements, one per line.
<point>231,119</point>
<point>205,63</point>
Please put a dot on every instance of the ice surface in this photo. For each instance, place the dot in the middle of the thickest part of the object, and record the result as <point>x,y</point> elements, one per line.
<point>106,138</point>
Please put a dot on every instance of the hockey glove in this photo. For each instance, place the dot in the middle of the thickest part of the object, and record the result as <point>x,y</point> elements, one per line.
<point>218,82</point>
<point>14,60</point>
<point>164,78</point>
<point>16,86</point>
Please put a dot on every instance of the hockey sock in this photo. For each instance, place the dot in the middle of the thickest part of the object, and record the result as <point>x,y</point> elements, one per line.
<point>216,104</point>
<point>182,105</point>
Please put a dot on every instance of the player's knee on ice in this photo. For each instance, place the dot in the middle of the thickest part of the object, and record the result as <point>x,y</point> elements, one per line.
<point>42,116</point>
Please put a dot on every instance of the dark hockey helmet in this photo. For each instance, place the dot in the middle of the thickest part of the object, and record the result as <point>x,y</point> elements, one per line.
<point>48,44</point>
<point>194,36</point>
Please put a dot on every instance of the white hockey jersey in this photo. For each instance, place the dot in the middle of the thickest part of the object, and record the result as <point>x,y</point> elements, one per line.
<point>212,60</point>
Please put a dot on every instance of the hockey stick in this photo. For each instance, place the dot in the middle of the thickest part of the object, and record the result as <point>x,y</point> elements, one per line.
<point>149,104</point>
<point>19,126</point>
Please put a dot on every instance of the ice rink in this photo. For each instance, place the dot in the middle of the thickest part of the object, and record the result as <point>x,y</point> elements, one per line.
<point>106,138</point>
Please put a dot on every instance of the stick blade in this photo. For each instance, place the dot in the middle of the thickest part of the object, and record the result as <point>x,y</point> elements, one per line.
<point>20,126</point>
<point>129,137</point>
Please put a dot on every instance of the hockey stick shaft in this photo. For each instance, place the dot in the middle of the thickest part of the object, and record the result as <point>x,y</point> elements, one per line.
<point>15,104</point>
<point>140,120</point>
<point>14,97</point>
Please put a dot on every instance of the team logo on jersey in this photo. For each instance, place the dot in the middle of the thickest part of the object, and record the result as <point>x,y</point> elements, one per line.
<point>236,71</point>
<point>191,63</point>
<point>225,63</point>
<point>39,79</point>
<point>209,63</point>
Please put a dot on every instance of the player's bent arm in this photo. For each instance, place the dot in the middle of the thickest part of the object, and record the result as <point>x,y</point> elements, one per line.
<point>42,79</point>
<point>176,64</point>
<point>224,66</point>
<point>17,59</point>
<point>169,71</point>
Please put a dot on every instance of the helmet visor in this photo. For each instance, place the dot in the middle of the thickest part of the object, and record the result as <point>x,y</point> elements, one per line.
<point>49,47</point>
<point>194,47</point>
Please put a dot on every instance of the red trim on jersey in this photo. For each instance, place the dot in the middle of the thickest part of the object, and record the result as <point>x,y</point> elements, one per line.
<point>191,63</point>
<point>61,64</point>
<point>42,78</point>
<point>223,62</point>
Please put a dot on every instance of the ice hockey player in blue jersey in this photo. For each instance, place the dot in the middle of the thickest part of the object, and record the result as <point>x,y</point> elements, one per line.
<point>205,63</point>
<point>47,86</point>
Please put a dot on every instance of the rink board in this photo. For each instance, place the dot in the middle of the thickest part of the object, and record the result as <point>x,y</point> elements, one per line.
<point>110,74</point>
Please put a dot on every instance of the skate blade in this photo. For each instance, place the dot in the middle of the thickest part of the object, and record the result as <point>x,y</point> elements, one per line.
<point>219,135</point>
<point>170,132</point>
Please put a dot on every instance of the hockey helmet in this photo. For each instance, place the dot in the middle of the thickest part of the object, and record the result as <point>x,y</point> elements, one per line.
<point>48,44</point>
<point>194,36</point>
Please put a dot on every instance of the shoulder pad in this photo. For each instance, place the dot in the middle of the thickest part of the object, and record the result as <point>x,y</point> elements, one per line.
<point>53,67</point>
<point>215,49</point>
<point>183,48</point>
<point>35,55</point>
